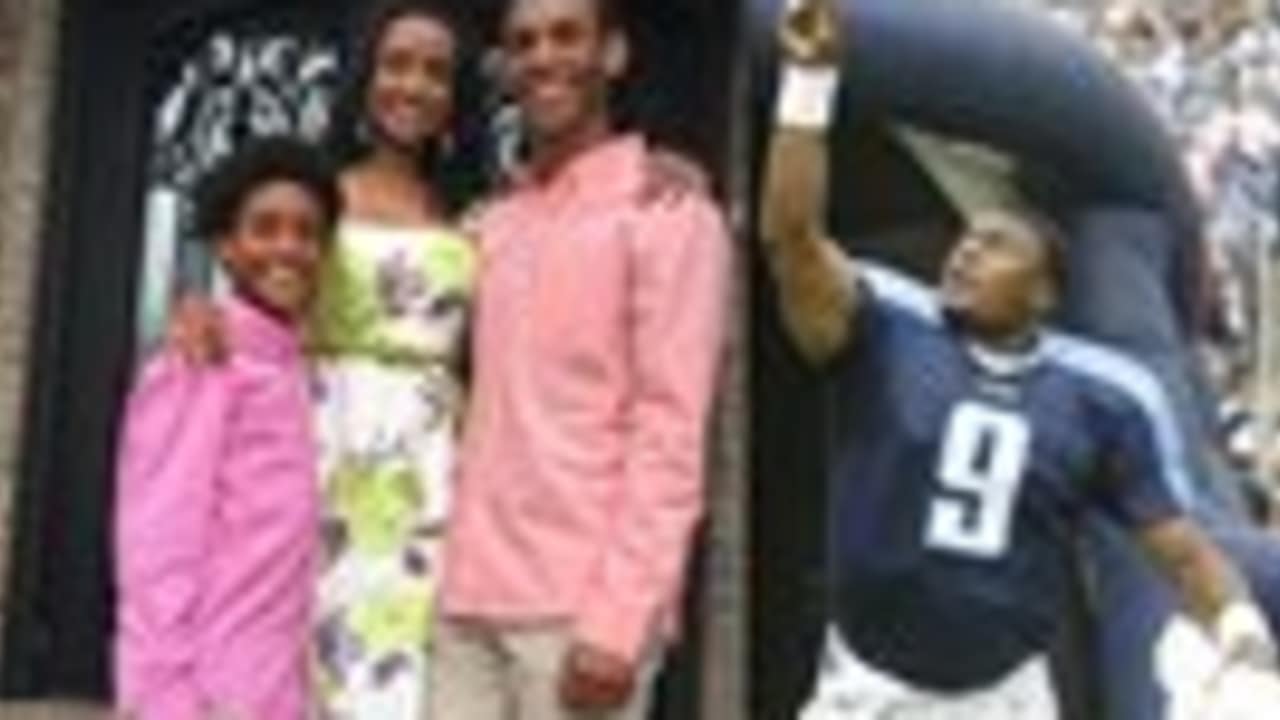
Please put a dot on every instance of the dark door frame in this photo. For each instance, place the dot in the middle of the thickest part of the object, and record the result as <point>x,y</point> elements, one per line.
<point>80,332</point>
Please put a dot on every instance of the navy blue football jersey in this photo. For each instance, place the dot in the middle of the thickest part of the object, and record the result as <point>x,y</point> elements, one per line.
<point>958,478</point>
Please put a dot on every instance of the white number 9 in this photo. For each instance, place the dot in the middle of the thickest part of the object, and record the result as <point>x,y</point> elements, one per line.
<point>980,469</point>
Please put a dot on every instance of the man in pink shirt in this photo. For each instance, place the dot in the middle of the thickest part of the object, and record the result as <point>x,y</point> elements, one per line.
<point>216,511</point>
<point>598,332</point>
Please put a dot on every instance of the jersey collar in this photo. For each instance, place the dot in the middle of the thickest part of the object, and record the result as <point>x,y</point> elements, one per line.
<point>1005,363</point>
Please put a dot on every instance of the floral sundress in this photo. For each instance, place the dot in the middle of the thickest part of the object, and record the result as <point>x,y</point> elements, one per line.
<point>386,338</point>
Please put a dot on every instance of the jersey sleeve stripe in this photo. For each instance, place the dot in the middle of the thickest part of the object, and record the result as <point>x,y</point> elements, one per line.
<point>899,291</point>
<point>1128,377</point>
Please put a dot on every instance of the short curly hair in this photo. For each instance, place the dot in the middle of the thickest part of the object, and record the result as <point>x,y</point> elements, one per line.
<point>222,193</point>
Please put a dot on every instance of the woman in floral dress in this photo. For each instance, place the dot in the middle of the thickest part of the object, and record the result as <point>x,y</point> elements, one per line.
<point>387,339</point>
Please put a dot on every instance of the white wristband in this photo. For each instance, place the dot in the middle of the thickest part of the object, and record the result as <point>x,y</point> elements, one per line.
<point>1241,623</point>
<point>807,96</point>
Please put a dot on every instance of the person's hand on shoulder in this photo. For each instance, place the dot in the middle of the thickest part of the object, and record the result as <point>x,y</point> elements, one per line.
<point>196,331</point>
<point>671,176</point>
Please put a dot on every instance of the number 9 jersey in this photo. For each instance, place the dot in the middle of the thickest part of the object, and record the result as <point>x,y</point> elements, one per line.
<point>959,476</point>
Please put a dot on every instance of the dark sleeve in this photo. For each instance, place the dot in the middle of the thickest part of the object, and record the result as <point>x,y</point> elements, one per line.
<point>1143,478</point>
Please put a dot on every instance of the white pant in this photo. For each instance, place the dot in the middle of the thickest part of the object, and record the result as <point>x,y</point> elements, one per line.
<point>483,672</point>
<point>850,689</point>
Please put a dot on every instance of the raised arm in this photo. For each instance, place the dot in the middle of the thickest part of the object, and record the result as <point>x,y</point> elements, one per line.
<point>817,289</point>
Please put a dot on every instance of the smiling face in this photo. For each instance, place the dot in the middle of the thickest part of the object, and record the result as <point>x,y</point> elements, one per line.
<point>273,249</point>
<point>410,95</point>
<point>998,279</point>
<point>561,57</point>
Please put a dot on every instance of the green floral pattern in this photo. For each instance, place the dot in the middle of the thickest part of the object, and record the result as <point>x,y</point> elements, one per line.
<point>387,330</point>
<point>401,296</point>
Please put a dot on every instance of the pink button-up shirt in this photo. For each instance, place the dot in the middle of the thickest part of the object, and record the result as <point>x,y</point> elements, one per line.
<point>598,331</point>
<point>216,528</point>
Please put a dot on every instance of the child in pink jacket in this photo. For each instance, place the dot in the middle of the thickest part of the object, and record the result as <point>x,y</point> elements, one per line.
<point>217,508</point>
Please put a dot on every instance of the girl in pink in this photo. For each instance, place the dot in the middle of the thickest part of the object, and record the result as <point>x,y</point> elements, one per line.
<point>216,514</point>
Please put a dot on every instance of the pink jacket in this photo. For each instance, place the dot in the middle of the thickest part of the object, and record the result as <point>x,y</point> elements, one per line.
<point>598,332</point>
<point>216,527</point>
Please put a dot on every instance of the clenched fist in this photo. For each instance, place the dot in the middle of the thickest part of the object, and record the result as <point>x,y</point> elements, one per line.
<point>810,33</point>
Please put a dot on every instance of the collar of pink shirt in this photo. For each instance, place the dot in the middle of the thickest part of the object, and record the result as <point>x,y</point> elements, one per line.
<point>259,334</point>
<point>614,168</point>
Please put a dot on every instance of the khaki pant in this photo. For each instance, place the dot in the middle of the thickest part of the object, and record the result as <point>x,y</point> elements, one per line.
<point>850,689</point>
<point>483,672</point>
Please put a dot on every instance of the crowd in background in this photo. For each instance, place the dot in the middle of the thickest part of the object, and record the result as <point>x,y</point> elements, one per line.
<point>1211,69</point>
